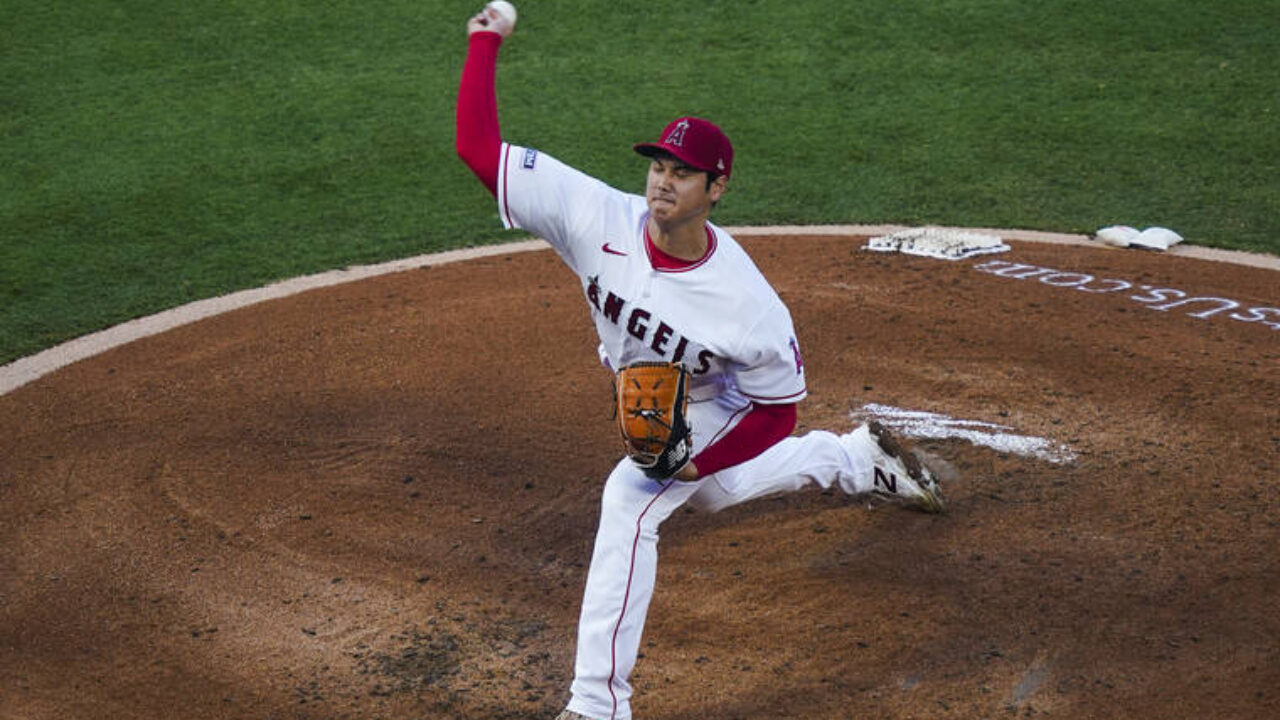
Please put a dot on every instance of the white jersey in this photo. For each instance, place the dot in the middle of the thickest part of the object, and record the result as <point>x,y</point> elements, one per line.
<point>719,317</point>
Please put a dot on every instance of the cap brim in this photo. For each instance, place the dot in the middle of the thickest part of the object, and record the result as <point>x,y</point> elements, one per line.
<point>654,149</point>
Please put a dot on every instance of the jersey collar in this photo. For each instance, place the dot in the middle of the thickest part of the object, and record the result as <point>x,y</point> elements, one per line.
<point>662,262</point>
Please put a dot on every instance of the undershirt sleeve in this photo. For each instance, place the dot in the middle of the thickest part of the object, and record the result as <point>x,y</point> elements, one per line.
<point>760,429</point>
<point>479,138</point>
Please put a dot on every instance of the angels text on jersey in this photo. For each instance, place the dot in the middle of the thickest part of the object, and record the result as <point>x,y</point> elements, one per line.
<point>640,323</point>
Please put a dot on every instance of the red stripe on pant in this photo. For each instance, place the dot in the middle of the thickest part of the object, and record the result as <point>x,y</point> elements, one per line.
<point>626,596</point>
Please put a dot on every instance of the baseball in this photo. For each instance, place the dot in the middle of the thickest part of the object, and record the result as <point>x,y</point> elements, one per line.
<point>506,13</point>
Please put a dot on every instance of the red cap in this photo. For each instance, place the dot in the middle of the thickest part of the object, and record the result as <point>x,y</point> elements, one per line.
<point>696,142</point>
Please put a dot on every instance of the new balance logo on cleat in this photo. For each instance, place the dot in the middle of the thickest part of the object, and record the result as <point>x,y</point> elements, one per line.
<point>897,475</point>
<point>888,481</point>
<point>913,485</point>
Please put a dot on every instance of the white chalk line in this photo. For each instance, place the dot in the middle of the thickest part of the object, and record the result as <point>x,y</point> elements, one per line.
<point>934,426</point>
<point>25,370</point>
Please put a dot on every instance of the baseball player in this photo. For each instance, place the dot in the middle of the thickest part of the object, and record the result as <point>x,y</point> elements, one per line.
<point>662,283</point>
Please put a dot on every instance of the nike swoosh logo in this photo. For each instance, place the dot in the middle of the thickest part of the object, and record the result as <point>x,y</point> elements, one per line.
<point>605,247</point>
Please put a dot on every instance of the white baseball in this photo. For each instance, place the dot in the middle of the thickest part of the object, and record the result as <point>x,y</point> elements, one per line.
<point>506,13</point>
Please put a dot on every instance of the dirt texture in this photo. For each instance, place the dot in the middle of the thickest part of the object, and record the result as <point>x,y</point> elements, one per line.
<point>377,501</point>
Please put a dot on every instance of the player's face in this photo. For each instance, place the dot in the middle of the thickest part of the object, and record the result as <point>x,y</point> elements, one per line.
<point>677,192</point>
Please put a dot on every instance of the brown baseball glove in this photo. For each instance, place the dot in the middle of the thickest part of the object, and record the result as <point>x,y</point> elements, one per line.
<point>653,404</point>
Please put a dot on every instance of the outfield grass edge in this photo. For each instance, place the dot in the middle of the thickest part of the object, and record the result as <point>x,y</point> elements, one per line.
<point>28,369</point>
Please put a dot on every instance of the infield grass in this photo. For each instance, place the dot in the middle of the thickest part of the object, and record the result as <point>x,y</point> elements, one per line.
<point>150,156</point>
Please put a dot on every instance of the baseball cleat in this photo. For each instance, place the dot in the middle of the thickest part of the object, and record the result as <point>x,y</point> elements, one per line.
<point>900,477</point>
<point>571,715</point>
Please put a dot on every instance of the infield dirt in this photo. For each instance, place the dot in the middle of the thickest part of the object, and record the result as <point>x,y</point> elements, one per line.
<point>377,500</point>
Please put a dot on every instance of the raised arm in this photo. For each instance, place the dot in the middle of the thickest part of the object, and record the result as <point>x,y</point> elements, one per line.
<point>478,137</point>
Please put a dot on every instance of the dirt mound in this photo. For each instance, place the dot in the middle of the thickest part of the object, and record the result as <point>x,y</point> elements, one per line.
<point>342,504</point>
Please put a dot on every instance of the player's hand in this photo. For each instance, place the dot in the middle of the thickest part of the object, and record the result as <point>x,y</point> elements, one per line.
<point>688,473</point>
<point>489,20</point>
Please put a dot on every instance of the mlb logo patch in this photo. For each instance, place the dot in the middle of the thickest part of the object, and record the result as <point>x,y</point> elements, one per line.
<point>530,158</point>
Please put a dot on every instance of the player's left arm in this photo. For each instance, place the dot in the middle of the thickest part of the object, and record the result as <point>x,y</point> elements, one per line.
<point>770,367</point>
<point>772,377</point>
<point>761,428</point>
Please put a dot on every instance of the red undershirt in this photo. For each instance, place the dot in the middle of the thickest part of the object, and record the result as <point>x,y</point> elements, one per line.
<point>479,144</point>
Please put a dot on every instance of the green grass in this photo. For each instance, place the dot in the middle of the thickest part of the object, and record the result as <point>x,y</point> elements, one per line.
<point>152,156</point>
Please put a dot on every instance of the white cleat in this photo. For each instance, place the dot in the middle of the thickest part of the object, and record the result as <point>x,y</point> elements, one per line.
<point>900,477</point>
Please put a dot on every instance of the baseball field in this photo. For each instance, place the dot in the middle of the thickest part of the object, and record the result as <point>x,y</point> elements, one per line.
<point>376,499</point>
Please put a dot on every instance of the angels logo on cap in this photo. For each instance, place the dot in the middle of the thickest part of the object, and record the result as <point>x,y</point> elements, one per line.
<point>697,143</point>
<point>676,136</point>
